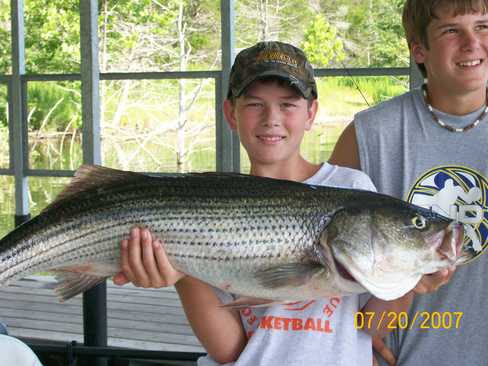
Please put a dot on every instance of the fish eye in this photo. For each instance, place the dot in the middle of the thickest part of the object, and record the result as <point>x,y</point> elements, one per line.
<point>419,222</point>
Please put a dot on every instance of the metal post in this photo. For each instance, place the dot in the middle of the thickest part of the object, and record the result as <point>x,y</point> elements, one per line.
<point>90,78</point>
<point>228,151</point>
<point>18,124</point>
<point>94,300</point>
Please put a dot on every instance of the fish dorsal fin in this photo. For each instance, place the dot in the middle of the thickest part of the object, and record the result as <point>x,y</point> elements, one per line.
<point>89,177</point>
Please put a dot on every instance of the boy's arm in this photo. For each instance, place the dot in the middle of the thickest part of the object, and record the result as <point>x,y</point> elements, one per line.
<point>378,314</point>
<point>144,262</point>
<point>219,330</point>
<point>346,149</point>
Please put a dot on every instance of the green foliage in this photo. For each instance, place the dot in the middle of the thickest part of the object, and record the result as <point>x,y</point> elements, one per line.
<point>5,42</point>
<point>122,27</point>
<point>260,20</point>
<point>53,107</point>
<point>203,33</point>
<point>52,36</point>
<point>143,35</point>
<point>390,47</point>
<point>376,89</point>
<point>321,43</point>
<point>3,106</point>
<point>375,34</point>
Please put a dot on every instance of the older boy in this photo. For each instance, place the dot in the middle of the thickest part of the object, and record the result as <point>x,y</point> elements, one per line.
<point>429,146</point>
<point>272,102</point>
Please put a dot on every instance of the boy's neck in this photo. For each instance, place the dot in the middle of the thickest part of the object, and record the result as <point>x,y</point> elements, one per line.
<point>299,170</point>
<point>455,103</point>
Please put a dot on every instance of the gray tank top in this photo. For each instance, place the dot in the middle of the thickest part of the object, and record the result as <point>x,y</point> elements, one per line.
<point>409,156</point>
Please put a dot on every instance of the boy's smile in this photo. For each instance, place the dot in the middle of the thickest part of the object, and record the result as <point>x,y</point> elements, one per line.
<point>456,57</point>
<point>270,139</point>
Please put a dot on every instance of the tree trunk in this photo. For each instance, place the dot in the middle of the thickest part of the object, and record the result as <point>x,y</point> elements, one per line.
<point>180,148</point>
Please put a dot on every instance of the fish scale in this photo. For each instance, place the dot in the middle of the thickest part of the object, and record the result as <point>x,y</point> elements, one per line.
<point>253,236</point>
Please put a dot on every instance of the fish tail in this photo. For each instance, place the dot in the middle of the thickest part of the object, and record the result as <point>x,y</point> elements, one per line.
<point>75,279</point>
<point>72,284</point>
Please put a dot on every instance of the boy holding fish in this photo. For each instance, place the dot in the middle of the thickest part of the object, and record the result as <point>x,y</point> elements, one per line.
<point>272,102</point>
<point>429,147</point>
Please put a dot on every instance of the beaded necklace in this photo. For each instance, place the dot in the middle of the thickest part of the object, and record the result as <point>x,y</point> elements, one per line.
<point>451,128</point>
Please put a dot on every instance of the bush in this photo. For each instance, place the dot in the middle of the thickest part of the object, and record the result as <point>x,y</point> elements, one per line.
<point>3,107</point>
<point>53,106</point>
<point>376,89</point>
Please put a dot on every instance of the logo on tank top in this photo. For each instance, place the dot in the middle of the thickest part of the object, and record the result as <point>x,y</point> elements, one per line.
<point>461,194</point>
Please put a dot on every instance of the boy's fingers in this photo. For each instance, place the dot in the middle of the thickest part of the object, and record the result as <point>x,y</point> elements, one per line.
<point>124,261</point>
<point>144,261</point>
<point>432,282</point>
<point>170,274</point>
<point>380,348</point>
<point>120,279</point>
<point>135,259</point>
<point>148,259</point>
<point>161,257</point>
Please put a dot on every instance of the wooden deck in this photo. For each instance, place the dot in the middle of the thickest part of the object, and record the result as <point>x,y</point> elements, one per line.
<point>145,319</point>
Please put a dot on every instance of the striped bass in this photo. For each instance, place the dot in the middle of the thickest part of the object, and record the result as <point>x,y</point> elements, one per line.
<point>252,236</point>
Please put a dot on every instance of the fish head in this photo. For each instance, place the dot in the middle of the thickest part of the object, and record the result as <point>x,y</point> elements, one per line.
<point>388,247</point>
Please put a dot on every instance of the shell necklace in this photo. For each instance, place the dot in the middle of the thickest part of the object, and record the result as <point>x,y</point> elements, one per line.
<point>449,127</point>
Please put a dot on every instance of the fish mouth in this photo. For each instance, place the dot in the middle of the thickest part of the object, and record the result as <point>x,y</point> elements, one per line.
<point>456,236</point>
<point>327,258</point>
<point>449,242</point>
<point>343,272</point>
<point>343,277</point>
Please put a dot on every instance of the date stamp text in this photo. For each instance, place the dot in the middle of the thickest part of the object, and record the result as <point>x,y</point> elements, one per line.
<point>404,320</point>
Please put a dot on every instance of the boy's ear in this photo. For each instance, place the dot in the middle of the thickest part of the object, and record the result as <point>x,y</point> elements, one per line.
<point>229,113</point>
<point>312,112</point>
<point>418,52</point>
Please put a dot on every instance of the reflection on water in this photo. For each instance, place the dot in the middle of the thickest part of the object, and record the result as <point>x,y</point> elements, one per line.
<point>6,224</point>
<point>7,205</point>
<point>42,191</point>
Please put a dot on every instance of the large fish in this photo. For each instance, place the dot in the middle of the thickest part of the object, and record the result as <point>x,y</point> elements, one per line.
<point>252,236</point>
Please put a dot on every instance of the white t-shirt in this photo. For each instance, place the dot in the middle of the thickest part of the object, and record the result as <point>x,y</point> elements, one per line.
<point>314,332</point>
<point>16,353</point>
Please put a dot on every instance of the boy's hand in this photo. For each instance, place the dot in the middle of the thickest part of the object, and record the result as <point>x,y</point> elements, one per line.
<point>144,262</point>
<point>380,348</point>
<point>432,282</point>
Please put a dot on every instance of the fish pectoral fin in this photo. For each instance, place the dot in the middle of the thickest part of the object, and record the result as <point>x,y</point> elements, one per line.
<point>71,284</point>
<point>249,302</point>
<point>288,275</point>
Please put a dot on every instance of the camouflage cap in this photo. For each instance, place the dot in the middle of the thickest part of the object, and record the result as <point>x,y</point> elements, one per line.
<point>272,59</point>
